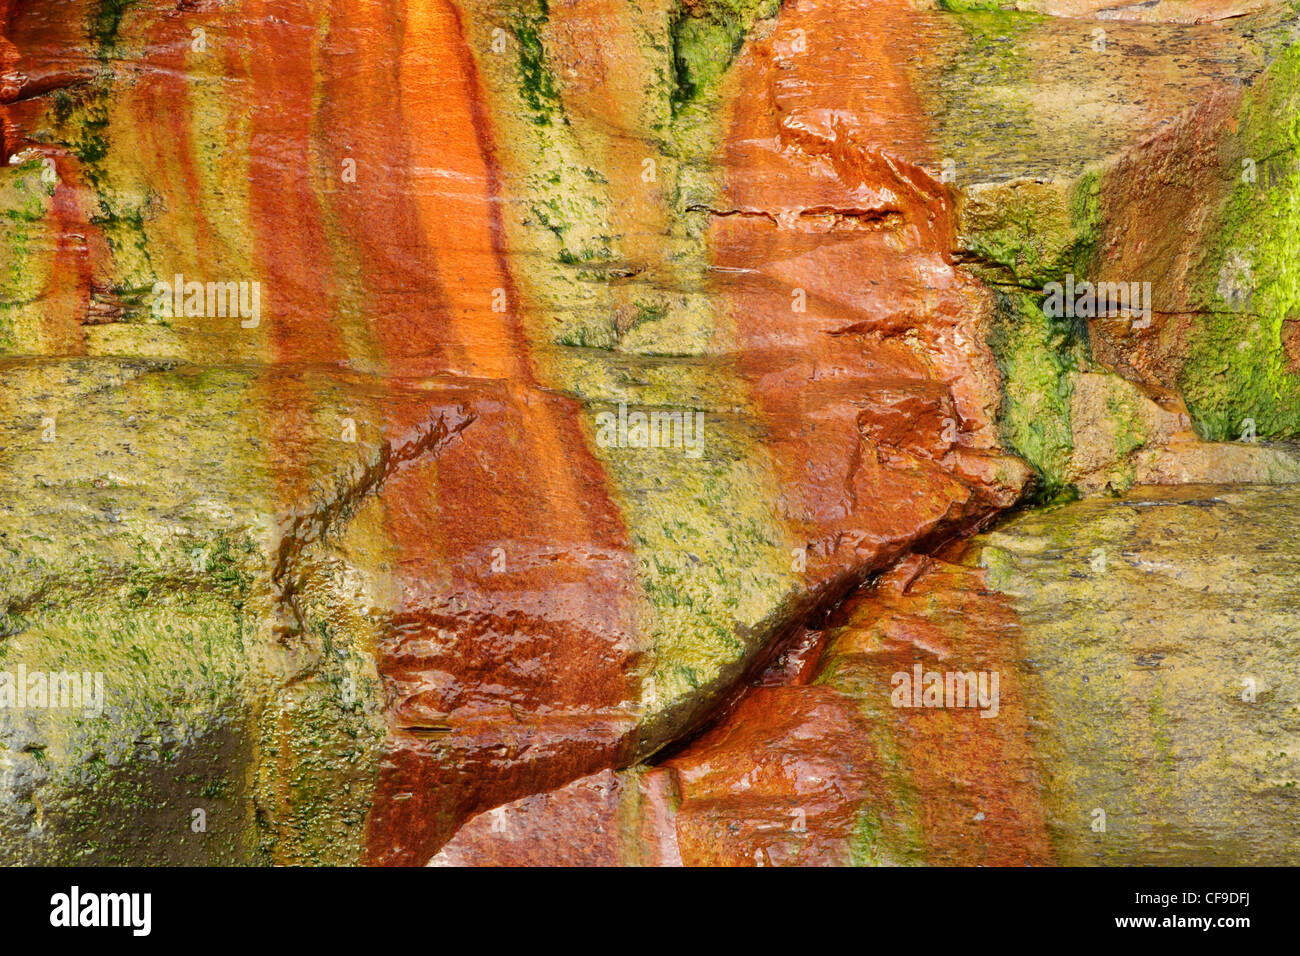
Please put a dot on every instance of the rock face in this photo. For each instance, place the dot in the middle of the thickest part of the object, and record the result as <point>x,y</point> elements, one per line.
<point>471,410</point>
<point>1144,712</point>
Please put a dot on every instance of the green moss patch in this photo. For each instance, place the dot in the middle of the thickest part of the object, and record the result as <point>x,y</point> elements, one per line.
<point>1237,368</point>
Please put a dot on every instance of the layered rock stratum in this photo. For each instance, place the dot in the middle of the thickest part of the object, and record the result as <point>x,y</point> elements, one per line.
<point>331,333</point>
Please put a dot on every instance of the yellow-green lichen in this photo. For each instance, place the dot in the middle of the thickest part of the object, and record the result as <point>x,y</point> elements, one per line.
<point>1237,370</point>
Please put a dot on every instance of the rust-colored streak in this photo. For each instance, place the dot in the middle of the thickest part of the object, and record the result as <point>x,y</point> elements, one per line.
<point>605,819</point>
<point>34,48</point>
<point>293,254</point>
<point>372,187</point>
<point>10,84</point>
<point>778,783</point>
<point>790,776</point>
<point>848,314</point>
<point>67,294</point>
<point>508,670</point>
<point>972,769</point>
<point>164,93</point>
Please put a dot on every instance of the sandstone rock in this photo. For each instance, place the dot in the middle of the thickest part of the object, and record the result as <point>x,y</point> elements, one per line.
<point>470,247</point>
<point>490,255</point>
<point>1144,179</point>
<point>1143,713</point>
<point>1121,438</point>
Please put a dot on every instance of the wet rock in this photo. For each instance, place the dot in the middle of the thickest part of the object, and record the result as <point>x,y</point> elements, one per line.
<point>1122,437</point>
<point>468,257</point>
<point>1156,630</point>
<point>1143,711</point>
<point>1143,179</point>
<point>484,273</point>
<point>141,557</point>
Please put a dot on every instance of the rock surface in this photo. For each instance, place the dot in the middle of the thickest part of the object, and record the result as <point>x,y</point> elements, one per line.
<point>368,559</point>
<point>1145,712</point>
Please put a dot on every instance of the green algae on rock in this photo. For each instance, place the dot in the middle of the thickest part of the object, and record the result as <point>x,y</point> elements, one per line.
<point>368,570</point>
<point>1157,634</point>
<point>1239,371</point>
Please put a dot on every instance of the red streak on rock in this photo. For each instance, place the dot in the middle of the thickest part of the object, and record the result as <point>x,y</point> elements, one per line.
<point>9,82</point>
<point>169,138</point>
<point>778,783</point>
<point>67,294</point>
<point>606,819</point>
<point>293,253</point>
<point>36,51</point>
<point>877,398</point>
<point>975,778</point>
<point>501,681</point>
